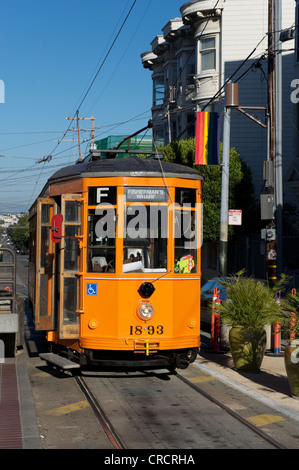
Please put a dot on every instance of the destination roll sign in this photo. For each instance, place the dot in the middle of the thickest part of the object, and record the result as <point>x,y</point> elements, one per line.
<point>145,194</point>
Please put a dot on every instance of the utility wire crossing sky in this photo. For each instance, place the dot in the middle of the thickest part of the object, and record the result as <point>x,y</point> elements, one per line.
<point>62,56</point>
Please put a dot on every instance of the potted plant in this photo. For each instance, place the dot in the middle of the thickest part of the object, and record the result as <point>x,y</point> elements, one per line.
<point>291,353</point>
<point>249,307</point>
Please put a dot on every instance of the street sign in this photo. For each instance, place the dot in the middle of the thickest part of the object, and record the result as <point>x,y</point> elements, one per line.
<point>234,217</point>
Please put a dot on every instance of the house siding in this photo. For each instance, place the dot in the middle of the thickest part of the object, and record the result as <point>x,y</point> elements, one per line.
<point>239,26</point>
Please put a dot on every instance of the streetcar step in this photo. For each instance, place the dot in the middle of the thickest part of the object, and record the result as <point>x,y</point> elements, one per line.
<point>59,361</point>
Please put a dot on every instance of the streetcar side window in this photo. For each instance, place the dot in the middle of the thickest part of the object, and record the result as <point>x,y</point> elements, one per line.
<point>72,228</point>
<point>32,237</point>
<point>101,240</point>
<point>70,294</point>
<point>185,251</point>
<point>185,196</point>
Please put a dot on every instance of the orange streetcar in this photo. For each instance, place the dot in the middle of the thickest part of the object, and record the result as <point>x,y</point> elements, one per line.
<point>114,267</point>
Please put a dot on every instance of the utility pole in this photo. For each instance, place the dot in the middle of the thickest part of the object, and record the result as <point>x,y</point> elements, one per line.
<point>271,252</point>
<point>278,137</point>
<point>91,130</point>
<point>224,192</point>
<point>78,131</point>
<point>231,102</point>
<point>274,245</point>
<point>272,202</point>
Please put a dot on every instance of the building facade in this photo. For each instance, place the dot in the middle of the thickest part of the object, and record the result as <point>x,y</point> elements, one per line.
<point>292,176</point>
<point>212,42</point>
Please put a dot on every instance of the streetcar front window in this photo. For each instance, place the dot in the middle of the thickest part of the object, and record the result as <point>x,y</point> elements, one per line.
<point>145,238</point>
<point>101,243</point>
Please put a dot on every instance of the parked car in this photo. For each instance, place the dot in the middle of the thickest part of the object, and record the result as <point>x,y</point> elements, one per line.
<point>208,288</point>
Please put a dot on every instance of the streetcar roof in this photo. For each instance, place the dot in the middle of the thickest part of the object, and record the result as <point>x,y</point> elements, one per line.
<point>128,166</point>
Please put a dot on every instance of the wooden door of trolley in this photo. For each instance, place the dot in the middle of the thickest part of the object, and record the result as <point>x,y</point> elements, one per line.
<point>70,260</point>
<point>43,307</point>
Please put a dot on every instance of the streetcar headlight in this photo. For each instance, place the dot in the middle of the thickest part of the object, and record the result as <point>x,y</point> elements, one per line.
<point>145,311</point>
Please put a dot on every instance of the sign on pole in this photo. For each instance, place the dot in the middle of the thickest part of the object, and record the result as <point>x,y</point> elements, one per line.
<point>234,217</point>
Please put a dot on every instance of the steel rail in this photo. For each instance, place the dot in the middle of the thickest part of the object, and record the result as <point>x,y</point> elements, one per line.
<point>100,414</point>
<point>235,415</point>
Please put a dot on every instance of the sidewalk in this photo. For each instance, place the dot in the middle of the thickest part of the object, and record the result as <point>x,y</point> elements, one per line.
<point>270,384</point>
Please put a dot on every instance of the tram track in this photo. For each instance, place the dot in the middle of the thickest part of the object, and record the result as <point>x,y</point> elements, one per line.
<point>159,414</point>
<point>233,413</point>
<point>118,443</point>
<point>106,424</point>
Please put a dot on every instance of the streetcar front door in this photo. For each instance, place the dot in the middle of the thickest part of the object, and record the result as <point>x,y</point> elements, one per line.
<point>69,265</point>
<point>43,251</point>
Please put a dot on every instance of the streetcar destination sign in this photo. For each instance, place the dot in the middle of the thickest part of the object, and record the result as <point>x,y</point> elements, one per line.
<point>139,194</point>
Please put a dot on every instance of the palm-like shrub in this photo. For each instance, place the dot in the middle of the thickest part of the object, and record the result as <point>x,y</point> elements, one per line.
<point>250,303</point>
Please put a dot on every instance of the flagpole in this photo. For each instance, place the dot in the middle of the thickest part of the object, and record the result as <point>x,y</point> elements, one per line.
<point>224,192</point>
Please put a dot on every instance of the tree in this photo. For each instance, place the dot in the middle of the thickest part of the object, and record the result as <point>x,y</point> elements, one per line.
<point>240,186</point>
<point>20,232</point>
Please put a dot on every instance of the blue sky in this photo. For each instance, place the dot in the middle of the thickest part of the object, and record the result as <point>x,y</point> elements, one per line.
<point>50,52</point>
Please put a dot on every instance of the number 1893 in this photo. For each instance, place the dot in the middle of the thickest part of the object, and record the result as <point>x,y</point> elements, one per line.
<point>150,330</point>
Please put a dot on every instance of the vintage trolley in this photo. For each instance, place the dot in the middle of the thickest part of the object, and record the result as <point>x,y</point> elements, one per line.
<point>114,266</point>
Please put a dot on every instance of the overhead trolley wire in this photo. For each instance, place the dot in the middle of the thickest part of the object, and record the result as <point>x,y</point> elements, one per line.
<point>221,89</point>
<point>95,77</point>
<point>239,67</point>
<point>123,55</point>
<point>104,49</point>
<point>184,66</point>
<point>88,90</point>
<point>106,56</point>
<point>234,73</point>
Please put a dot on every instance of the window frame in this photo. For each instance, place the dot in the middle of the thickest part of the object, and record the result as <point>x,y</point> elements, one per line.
<point>147,252</point>
<point>207,50</point>
<point>92,207</point>
<point>158,90</point>
<point>181,251</point>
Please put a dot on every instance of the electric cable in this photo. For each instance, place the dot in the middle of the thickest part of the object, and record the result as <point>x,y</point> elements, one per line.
<point>106,56</point>
<point>89,88</point>
<point>96,75</point>
<point>215,97</point>
<point>123,55</point>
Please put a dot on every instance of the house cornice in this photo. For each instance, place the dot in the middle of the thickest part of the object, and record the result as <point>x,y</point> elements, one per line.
<point>200,9</point>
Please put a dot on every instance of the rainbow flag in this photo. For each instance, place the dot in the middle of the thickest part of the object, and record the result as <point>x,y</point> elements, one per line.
<point>207,138</point>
